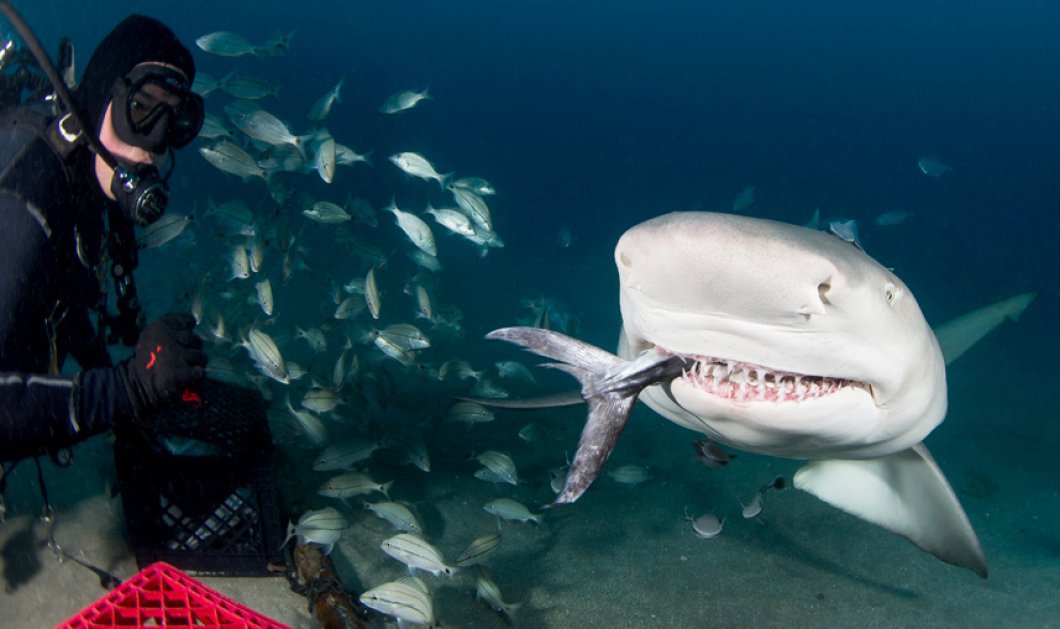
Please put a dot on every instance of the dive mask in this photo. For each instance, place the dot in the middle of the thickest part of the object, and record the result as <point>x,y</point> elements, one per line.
<point>155,109</point>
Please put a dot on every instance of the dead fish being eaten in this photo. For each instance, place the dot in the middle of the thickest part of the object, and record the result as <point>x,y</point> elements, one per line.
<point>609,384</point>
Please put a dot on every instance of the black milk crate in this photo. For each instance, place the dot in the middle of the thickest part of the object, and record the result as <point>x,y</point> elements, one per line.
<point>198,485</point>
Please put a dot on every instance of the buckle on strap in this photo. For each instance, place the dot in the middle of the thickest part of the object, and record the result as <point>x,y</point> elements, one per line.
<point>70,136</point>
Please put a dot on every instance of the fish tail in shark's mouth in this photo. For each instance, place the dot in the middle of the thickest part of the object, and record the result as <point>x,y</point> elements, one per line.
<point>610,385</point>
<point>747,382</point>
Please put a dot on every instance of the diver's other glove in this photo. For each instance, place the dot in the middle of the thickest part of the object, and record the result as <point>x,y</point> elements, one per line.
<point>168,358</point>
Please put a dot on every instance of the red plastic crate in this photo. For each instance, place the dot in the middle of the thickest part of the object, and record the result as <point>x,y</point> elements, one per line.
<point>162,596</point>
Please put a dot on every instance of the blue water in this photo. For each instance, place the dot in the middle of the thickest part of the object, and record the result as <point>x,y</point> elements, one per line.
<point>595,116</point>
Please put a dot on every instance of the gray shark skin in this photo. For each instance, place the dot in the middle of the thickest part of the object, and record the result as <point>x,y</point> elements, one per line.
<point>785,341</point>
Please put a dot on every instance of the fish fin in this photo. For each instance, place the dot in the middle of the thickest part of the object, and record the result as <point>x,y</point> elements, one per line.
<point>905,493</point>
<point>608,415</point>
<point>557,346</point>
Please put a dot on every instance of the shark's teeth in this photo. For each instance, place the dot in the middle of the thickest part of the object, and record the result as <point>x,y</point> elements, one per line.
<point>745,382</point>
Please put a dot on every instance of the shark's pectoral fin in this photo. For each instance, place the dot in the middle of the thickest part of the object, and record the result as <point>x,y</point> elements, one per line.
<point>905,493</point>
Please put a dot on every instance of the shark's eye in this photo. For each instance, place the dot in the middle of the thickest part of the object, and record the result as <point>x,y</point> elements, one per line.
<point>891,291</point>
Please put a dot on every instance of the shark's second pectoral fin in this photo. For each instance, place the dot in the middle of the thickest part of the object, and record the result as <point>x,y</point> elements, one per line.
<point>905,493</point>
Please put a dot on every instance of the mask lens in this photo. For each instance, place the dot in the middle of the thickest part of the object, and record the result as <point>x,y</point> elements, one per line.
<point>160,109</point>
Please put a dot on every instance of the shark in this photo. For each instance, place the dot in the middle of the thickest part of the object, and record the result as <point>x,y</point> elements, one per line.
<point>785,341</point>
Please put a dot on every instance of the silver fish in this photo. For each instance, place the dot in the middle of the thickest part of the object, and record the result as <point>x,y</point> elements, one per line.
<point>404,601</point>
<point>416,553</point>
<point>234,216</point>
<point>478,185</point>
<point>754,507</point>
<point>231,159</point>
<point>349,308</point>
<point>345,156</point>
<point>371,293</point>
<point>352,484</point>
<point>264,289</point>
<point>711,454</point>
<point>403,100</point>
<point>309,423</point>
<point>327,213</point>
<point>344,455</point>
<point>478,550</point>
<point>315,337</point>
<point>406,336</point>
<point>514,370</point>
<point>417,165</point>
<point>470,413</point>
<point>454,221</point>
<point>325,160</point>
<point>239,263</point>
<point>225,44</point>
<point>322,526</point>
<point>501,465</point>
<point>163,230</point>
<point>474,206</point>
<point>266,355</point>
<point>417,231</point>
<point>322,107</point>
<point>490,593</point>
<point>321,400</point>
<point>398,515</point>
<point>259,124</point>
<point>508,509</point>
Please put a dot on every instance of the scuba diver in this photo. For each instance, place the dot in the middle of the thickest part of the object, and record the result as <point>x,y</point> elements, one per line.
<point>77,173</point>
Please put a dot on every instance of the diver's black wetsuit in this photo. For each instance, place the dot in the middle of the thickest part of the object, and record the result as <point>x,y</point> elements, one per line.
<point>51,247</point>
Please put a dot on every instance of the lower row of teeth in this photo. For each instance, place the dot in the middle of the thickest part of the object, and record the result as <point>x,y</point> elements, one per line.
<point>742,382</point>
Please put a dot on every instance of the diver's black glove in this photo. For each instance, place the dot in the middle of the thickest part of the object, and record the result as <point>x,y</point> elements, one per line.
<point>167,359</point>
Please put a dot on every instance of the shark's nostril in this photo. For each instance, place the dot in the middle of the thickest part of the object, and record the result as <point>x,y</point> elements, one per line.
<point>624,260</point>
<point>822,291</point>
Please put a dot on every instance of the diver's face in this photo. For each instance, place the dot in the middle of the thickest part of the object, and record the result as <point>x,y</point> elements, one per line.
<point>122,151</point>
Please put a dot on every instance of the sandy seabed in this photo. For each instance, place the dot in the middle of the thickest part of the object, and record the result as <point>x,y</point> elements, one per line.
<point>621,557</point>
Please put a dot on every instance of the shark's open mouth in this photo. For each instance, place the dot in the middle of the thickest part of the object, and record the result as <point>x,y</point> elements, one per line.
<point>747,382</point>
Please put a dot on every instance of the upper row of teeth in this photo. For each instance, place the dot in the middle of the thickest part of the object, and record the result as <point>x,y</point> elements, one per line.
<point>753,376</point>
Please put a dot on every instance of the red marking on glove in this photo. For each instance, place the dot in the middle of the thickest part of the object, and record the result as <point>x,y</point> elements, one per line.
<point>190,397</point>
<point>151,363</point>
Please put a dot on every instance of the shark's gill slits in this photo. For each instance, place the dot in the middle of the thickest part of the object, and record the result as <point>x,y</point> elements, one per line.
<point>746,382</point>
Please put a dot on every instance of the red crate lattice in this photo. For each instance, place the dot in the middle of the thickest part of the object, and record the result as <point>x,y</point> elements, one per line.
<point>162,596</point>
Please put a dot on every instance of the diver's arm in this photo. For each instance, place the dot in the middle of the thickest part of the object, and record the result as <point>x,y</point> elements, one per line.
<point>39,412</point>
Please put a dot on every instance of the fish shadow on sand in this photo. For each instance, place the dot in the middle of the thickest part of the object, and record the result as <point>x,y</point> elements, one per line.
<point>773,537</point>
<point>21,556</point>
